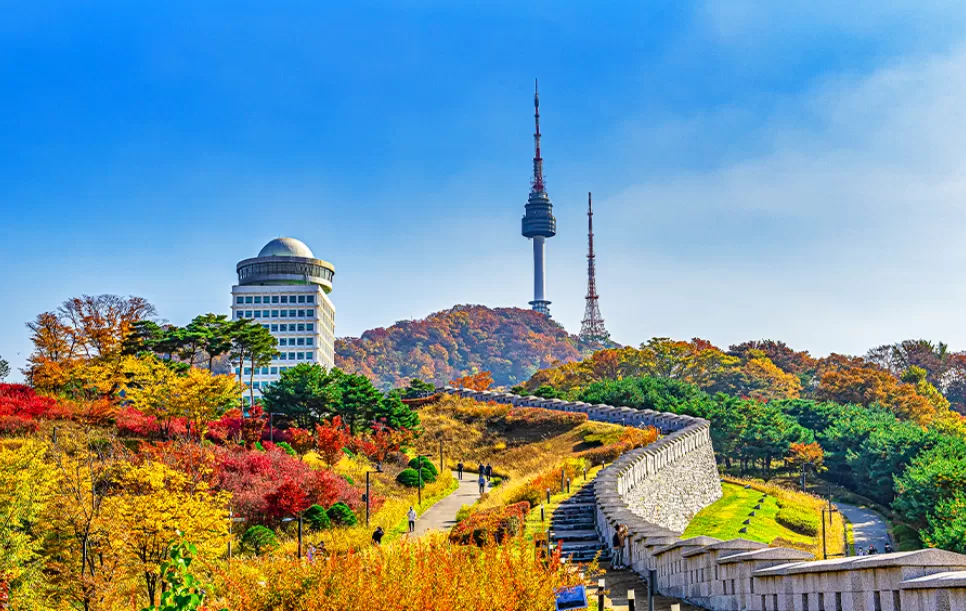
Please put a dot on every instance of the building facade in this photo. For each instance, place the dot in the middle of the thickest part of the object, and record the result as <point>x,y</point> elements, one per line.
<point>286,290</point>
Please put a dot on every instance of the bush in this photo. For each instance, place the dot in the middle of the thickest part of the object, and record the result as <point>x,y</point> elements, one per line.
<point>409,478</point>
<point>427,465</point>
<point>341,515</point>
<point>545,418</point>
<point>258,539</point>
<point>288,449</point>
<point>464,513</point>
<point>491,525</point>
<point>317,518</point>
<point>799,519</point>
<point>605,454</point>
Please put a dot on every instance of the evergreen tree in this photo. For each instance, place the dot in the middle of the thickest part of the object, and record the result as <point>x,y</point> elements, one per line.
<point>305,394</point>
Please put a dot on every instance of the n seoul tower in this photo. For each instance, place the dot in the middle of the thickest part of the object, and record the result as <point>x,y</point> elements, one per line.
<point>538,222</point>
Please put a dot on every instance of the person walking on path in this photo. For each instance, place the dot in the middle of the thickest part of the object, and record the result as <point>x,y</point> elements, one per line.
<point>459,469</point>
<point>489,471</point>
<point>481,470</point>
<point>377,536</point>
<point>412,519</point>
<point>311,554</point>
<point>482,482</point>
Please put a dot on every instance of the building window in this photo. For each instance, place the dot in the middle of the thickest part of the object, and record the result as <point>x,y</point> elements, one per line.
<point>248,371</point>
<point>274,313</point>
<point>274,328</point>
<point>248,299</point>
<point>238,313</point>
<point>274,298</point>
<point>291,356</point>
<point>281,342</point>
<point>239,300</point>
<point>248,313</point>
<point>258,299</point>
<point>258,313</point>
<point>300,327</point>
<point>309,356</point>
<point>301,356</point>
<point>265,327</point>
<point>308,341</point>
<point>282,356</point>
<point>274,371</point>
<point>264,313</point>
<point>237,371</point>
<point>309,327</point>
<point>300,341</point>
<point>284,313</point>
<point>284,298</point>
<point>310,299</point>
<point>291,313</point>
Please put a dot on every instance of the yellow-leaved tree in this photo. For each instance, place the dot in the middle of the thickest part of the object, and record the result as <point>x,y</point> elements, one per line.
<point>27,484</point>
<point>155,506</point>
<point>200,397</point>
<point>157,390</point>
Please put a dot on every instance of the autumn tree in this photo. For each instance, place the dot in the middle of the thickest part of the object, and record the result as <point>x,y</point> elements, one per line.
<point>155,505</point>
<point>330,438</point>
<point>805,456</point>
<point>477,381</point>
<point>27,490</point>
<point>201,396</point>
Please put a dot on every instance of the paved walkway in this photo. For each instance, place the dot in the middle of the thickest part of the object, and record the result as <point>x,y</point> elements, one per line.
<point>442,515</point>
<point>867,526</point>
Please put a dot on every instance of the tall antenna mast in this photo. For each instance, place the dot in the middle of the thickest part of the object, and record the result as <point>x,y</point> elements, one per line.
<point>537,160</point>
<point>592,327</point>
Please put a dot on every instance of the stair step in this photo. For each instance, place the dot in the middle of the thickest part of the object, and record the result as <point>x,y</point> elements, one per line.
<point>573,535</point>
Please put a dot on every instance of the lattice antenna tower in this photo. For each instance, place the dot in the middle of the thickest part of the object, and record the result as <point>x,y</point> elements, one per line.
<point>592,327</point>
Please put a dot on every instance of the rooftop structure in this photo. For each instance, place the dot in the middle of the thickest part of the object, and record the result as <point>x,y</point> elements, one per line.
<point>538,222</point>
<point>286,290</point>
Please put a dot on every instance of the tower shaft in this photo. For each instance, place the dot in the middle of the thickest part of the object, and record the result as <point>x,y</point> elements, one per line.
<point>592,327</point>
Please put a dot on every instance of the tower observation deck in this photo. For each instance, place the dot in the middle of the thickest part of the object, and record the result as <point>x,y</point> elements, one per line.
<point>538,222</point>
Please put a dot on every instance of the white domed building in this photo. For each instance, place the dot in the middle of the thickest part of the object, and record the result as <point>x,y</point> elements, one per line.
<point>286,290</point>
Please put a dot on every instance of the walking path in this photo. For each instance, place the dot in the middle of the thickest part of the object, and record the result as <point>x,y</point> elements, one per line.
<point>442,515</point>
<point>868,527</point>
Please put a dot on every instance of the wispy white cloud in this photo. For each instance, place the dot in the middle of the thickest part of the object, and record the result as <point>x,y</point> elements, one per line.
<point>846,233</point>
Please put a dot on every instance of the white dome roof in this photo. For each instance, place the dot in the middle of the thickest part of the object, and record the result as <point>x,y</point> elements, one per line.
<point>286,247</point>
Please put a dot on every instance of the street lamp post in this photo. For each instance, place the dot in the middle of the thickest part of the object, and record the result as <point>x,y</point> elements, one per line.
<point>231,519</point>
<point>419,474</point>
<point>299,519</point>
<point>441,456</point>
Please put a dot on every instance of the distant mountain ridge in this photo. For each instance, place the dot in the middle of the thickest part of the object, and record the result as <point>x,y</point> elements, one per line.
<point>511,343</point>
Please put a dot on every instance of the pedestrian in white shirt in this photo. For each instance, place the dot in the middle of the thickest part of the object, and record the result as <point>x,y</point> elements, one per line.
<point>412,519</point>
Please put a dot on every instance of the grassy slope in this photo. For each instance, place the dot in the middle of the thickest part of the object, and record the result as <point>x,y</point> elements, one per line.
<point>724,518</point>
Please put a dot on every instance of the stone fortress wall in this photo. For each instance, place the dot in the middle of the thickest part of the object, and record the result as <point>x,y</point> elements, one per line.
<point>657,489</point>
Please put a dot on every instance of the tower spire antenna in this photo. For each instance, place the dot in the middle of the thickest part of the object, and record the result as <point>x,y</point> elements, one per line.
<point>592,327</point>
<point>537,159</point>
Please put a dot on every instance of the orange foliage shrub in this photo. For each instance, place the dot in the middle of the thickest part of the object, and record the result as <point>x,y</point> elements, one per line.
<point>491,525</point>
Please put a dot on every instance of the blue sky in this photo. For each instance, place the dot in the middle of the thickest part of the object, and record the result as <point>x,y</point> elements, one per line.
<point>789,170</point>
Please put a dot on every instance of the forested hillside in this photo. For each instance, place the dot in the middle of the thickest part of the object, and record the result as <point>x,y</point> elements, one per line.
<point>511,343</point>
<point>880,425</point>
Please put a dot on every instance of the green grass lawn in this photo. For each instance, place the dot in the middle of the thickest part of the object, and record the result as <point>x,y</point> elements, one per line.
<point>724,518</point>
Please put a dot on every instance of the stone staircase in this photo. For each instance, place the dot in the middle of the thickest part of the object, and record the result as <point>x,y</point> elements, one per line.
<point>573,527</point>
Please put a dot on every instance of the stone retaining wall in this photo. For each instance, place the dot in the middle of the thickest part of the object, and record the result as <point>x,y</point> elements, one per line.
<point>657,489</point>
